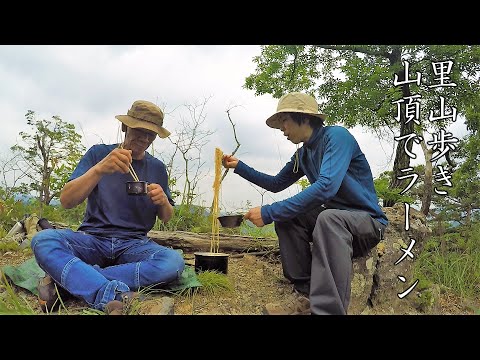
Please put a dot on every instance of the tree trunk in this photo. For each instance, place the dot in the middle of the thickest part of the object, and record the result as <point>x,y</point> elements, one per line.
<point>402,160</point>
<point>428,182</point>
<point>191,242</point>
<point>468,216</point>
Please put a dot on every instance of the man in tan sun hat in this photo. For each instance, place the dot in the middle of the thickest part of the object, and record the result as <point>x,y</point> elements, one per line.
<point>294,103</point>
<point>110,256</point>
<point>324,226</point>
<point>145,115</point>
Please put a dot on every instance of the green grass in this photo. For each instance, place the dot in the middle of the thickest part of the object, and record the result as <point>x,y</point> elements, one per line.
<point>214,283</point>
<point>10,302</point>
<point>9,246</point>
<point>457,271</point>
<point>267,231</point>
<point>452,260</point>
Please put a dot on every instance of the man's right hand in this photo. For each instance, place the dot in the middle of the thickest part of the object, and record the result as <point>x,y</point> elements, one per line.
<point>117,161</point>
<point>229,161</point>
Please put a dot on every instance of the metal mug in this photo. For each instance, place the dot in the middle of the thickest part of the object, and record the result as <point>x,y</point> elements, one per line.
<point>136,187</point>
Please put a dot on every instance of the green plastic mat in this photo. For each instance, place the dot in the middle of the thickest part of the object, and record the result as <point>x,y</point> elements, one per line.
<point>25,275</point>
<point>29,273</point>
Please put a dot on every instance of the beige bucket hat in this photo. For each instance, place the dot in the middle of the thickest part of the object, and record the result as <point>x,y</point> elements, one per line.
<point>294,102</point>
<point>146,115</point>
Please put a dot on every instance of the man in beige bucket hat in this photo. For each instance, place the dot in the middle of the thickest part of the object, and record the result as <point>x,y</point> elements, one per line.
<point>145,115</point>
<point>324,226</point>
<point>110,256</point>
<point>294,103</point>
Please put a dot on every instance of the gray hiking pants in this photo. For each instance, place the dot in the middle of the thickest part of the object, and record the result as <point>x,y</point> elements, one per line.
<point>317,249</point>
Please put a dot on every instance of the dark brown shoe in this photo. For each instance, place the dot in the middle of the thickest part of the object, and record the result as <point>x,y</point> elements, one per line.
<point>114,307</point>
<point>295,304</point>
<point>128,300</point>
<point>47,294</point>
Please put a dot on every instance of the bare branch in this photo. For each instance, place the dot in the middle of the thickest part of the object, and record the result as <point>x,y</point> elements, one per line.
<point>188,142</point>
<point>235,137</point>
<point>262,193</point>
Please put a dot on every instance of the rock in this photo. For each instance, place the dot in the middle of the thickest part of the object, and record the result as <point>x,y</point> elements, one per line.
<point>159,306</point>
<point>362,282</point>
<point>377,281</point>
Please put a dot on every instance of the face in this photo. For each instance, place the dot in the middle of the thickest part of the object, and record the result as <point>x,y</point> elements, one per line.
<point>291,129</point>
<point>138,140</point>
<point>294,132</point>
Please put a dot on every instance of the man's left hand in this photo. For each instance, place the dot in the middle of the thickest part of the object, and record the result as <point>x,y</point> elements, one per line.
<point>255,216</point>
<point>156,193</point>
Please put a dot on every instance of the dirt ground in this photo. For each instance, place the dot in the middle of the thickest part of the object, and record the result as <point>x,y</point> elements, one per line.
<point>256,281</point>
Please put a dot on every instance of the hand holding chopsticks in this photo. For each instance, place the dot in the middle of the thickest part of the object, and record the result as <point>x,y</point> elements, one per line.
<point>130,168</point>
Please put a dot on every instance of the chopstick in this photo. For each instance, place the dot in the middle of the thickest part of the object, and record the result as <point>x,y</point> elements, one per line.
<point>130,168</point>
<point>132,172</point>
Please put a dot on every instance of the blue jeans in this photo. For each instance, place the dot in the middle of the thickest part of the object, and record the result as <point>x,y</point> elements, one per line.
<point>97,269</point>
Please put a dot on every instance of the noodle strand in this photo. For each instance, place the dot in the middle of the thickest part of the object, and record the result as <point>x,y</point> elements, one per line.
<point>215,240</point>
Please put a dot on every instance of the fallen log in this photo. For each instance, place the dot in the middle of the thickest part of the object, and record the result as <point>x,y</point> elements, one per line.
<point>191,242</point>
<point>258,253</point>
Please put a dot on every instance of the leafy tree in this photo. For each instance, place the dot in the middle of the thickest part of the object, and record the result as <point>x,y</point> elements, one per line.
<point>387,194</point>
<point>48,155</point>
<point>355,86</point>
<point>462,200</point>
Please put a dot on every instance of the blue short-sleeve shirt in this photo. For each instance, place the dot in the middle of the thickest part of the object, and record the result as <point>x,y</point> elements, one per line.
<point>111,212</point>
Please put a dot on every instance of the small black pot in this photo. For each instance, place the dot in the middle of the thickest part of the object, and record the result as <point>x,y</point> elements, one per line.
<point>44,224</point>
<point>230,221</point>
<point>136,187</point>
<point>205,261</point>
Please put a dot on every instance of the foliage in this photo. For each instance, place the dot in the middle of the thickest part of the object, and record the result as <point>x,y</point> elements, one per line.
<point>453,260</point>
<point>49,155</point>
<point>196,219</point>
<point>248,229</point>
<point>462,201</point>
<point>214,282</point>
<point>12,210</point>
<point>8,245</point>
<point>355,82</point>
<point>10,302</point>
<point>186,218</point>
<point>303,183</point>
<point>385,193</point>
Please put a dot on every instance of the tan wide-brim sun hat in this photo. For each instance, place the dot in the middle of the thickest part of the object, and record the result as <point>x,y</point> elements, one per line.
<point>294,102</point>
<point>146,115</point>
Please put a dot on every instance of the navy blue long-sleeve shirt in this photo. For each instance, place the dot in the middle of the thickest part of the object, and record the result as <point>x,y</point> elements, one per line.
<point>337,170</point>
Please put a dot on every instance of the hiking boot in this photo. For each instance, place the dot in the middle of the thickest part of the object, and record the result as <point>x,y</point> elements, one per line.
<point>47,294</point>
<point>114,307</point>
<point>122,303</point>
<point>296,304</point>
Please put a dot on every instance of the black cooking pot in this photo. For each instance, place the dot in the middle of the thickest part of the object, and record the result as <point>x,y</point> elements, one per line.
<point>230,221</point>
<point>136,187</point>
<point>208,261</point>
